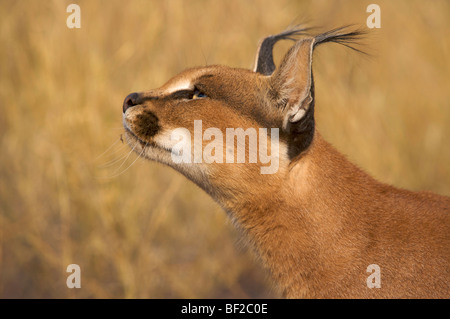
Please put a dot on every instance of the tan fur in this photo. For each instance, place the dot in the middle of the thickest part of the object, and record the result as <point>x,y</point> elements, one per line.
<point>320,220</point>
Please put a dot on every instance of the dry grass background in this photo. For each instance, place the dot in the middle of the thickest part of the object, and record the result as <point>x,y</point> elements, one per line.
<point>148,232</point>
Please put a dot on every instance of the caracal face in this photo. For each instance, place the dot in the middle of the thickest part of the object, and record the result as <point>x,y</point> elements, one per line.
<point>228,128</point>
<point>221,98</point>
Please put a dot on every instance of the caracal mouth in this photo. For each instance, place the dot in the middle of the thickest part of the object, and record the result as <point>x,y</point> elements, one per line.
<point>131,136</point>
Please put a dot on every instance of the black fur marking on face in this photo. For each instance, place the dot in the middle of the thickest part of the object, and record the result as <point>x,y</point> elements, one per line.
<point>146,124</point>
<point>181,94</point>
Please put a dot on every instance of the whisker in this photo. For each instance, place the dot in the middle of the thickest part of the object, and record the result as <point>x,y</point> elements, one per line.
<point>138,157</point>
<point>113,161</point>
<point>127,156</point>
<point>109,148</point>
<point>114,153</point>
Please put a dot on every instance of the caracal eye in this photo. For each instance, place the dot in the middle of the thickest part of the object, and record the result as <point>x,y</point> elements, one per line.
<point>197,95</point>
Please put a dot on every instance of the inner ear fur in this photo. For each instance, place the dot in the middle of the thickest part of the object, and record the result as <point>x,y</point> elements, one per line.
<point>293,82</point>
<point>292,86</point>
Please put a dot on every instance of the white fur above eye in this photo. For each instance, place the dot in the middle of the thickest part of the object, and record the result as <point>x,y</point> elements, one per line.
<point>184,84</point>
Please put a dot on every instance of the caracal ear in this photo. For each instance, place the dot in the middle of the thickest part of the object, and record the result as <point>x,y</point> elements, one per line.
<point>293,84</point>
<point>264,56</point>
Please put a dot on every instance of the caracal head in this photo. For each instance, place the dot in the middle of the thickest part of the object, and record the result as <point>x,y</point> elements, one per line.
<point>228,128</point>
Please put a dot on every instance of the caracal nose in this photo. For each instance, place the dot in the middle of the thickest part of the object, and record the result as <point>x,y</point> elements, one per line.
<point>130,101</point>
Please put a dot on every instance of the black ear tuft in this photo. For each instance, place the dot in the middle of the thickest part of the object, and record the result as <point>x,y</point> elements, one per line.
<point>264,55</point>
<point>340,35</point>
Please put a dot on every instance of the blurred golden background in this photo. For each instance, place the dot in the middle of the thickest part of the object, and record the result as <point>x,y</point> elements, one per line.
<point>66,195</point>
